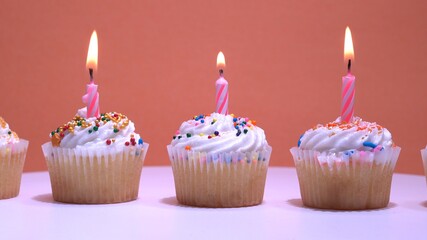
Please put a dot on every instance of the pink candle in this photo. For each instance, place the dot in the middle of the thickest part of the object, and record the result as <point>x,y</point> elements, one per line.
<point>91,98</point>
<point>348,82</point>
<point>221,87</point>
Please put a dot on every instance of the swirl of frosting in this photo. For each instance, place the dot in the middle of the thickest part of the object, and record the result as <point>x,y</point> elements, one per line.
<point>109,129</point>
<point>339,136</point>
<point>6,135</point>
<point>218,133</point>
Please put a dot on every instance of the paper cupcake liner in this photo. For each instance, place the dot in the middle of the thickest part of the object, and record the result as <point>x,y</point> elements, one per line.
<point>12,158</point>
<point>95,175</point>
<point>424,157</point>
<point>219,179</point>
<point>356,181</point>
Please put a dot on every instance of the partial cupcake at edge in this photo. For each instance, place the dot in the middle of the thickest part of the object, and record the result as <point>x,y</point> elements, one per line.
<point>346,164</point>
<point>12,157</point>
<point>424,158</point>
<point>95,158</point>
<point>219,159</point>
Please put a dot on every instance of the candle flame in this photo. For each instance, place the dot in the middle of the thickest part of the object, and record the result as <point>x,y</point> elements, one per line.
<point>348,46</point>
<point>92,53</point>
<point>220,60</point>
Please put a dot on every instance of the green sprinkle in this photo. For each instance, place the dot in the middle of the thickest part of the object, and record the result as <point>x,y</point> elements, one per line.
<point>9,132</point>
<point>79,123</point>
<point>90,130</point>
<point>95,128</point>
<point>52,133</point>
<point>188,135</point>
<point>116,130</point>
<point>103,119</point>
<point>245,131</point>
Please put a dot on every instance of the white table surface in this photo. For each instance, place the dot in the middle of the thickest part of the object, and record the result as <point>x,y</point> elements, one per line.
<point>157,215</point>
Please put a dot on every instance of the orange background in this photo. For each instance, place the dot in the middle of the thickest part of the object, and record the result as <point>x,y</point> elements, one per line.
<point>157,65</point>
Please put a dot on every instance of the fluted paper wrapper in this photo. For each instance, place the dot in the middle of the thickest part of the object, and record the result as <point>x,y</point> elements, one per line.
<point>219,179</point>
<point>424,157</point>
<point>99,175</point>
<point>12,158</point>
<point>356,181</point>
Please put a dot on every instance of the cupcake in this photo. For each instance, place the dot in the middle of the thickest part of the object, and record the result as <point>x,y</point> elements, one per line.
<point>12,158</point>
<point>219,161</point>
<point>95,160</point>
<point>345,166</point>
<point>424,157</point>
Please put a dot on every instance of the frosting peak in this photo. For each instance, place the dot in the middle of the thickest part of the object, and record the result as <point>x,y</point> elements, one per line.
<point>340,136</point>
<point>217,132</point>
<point>6,134</point>
<point>110,128</point>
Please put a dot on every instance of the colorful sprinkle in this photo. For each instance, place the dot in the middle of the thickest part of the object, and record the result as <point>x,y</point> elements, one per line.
<point>140,141</point>
<point>245,131</point>
<point>216,133</point>
<point>299,141</point>
<point>369,144</point>
<point>188,135</point>
<point>188,148</point>
<point>108,142</point>
<point>127,143</point>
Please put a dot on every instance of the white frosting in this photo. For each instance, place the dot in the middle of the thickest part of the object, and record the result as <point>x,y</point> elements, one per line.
<point>92,136</point>
<point>199,135</point>
<point>339,137</point>
<point>6,134</point>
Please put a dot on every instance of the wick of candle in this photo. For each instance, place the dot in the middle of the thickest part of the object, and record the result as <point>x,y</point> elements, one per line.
<point>91,74</point>
<point>221,72</point>
<point>349,66</point>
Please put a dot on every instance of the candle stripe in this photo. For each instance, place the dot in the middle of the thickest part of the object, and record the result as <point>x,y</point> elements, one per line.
<point>224,105</point>
<point>347,96</point>
<point>222,96</point>
<point>348,108</point>
<point>92,100</point>
<point>219,93</point>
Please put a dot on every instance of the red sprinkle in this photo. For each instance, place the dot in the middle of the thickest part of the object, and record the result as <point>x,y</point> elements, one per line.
<point>133,143</point>
<point>209,137</point>
<point>108,141</point>
<point>61,134</point>
<point>127,143</point>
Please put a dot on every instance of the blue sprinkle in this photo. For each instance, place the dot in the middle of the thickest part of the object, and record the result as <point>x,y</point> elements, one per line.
<point>370,144</point>
<point>299,141</point>
<point>140,142</point>
<point>349,152</point>
<point>234,119</point>
<point>202,121</point>
<point>238,133</point>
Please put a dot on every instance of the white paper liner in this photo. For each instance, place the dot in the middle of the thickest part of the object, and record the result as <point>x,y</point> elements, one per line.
<point>219,179</point>
<point>424,157</point>
<point>107,174</point>
<point>360,180</point>
<point>12,158</point>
